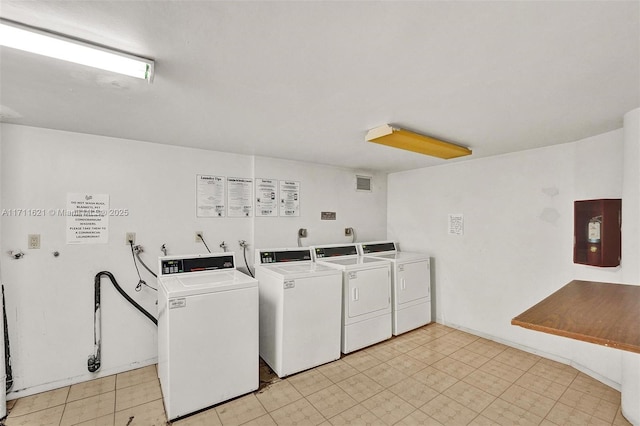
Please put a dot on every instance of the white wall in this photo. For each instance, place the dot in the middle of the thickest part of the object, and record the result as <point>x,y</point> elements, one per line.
<point>50,300</point>
<point>518,237</point>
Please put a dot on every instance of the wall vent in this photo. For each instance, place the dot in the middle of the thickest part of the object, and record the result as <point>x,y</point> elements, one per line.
<point>363,183</point>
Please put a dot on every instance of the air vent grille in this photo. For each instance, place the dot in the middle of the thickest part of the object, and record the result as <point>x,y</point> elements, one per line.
<point>363,183</point>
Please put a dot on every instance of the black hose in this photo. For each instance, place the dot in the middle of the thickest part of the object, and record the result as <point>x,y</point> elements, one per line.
<point>145,266</point>
<point>122,292</point>
<point>7,348</point>
<point>244,252</point>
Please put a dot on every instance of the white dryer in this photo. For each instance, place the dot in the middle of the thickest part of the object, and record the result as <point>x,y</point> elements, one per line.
<point>366,294</point>
<point>411,284</point>
<point>300,306</point>
<point>207,332</point>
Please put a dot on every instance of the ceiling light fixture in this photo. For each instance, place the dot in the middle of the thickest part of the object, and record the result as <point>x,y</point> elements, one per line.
<point>404,139</point>
<point>52,45</point>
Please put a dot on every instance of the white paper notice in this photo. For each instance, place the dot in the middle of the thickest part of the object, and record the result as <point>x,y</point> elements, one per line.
<point>240,197</point>
<point>266,197</point>
<point>87,218</point>
<point>210,194</point>
<point>456,224</point>
<point>289,198</point>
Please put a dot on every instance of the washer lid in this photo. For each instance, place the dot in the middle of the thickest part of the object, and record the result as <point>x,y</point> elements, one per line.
<point>202,283</point>
<point>400,256</point>
<point>300,269</point>
<point>353,262</point>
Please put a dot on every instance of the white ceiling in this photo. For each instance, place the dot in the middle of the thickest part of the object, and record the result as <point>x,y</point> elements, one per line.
<point>306,80</point>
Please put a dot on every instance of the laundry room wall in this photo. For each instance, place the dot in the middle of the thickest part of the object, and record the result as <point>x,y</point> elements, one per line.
<point>516,247</point>
<point>50,299</point>
<point>323,189</point>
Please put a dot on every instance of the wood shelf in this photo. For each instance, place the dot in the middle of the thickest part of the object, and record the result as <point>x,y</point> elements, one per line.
<point>602,313</point>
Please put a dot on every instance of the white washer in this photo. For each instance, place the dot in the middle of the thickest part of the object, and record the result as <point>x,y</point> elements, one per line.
<point>207,332</point>
<point>366,294</point>
<point>411,284</point>
<point>300,306</point>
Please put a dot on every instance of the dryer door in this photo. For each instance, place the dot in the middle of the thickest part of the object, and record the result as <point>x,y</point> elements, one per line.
<point>368,291</point>
<point>413,281</point>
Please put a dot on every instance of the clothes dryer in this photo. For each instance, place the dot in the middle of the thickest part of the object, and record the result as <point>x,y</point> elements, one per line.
<point>366,294</point>
<point>300,308</point>
<point>411,284</point>
<point>207,332</point>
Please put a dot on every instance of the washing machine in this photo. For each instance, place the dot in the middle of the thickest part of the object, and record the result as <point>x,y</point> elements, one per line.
<point>410,284</point>
<point>207,332</point>
<point>366,294</point>
<point>300,308</point>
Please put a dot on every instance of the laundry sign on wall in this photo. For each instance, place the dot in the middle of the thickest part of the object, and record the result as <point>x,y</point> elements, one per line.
<point>456,224</point>
<point>87,218</point>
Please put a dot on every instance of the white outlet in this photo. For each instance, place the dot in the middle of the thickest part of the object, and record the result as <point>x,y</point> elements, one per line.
<point>198,239</point>
<point>130,238</point>
<point>34,241</point>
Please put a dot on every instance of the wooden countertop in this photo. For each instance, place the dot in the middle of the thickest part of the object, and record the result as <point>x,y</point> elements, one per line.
<point>602,313</point>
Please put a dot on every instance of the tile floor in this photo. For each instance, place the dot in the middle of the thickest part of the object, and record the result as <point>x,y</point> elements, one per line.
<point>435,375</point>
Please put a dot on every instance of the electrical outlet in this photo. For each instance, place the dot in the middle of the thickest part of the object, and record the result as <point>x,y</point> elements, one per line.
<point>348,232</point>
<point>302,233</point>
<point>198,238</point>
<point>130,238</point>
<point>34,241</point>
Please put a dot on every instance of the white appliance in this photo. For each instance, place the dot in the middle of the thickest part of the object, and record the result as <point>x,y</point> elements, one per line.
<point>207,332</point>
<point>366,294</point>
<point>410,284</point>
<point>300,308</point>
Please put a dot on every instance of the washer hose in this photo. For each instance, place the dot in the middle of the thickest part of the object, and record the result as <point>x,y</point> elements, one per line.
<point>93,363</point>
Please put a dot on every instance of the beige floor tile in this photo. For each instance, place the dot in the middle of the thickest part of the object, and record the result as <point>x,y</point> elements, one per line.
<point>517,358</point>
<point>435,379</point>
<point>487,382</point>
<point>240,410</point>
<point>40,401</point>
<point>470,358</point>
<point>562,414</point>
<point>338,370</point>
<point>107,420</point>
<point>357,415</point>
<point>89,408</point>
<point>91,388</point>
<point>470,396</point>
<point>278,395</point>
<point>414,392</point>
<point>419,338</point>
<point>309,382</point>
<point>388,407</point>
<point>149,414</point>
<point>481,420</point>
<point>46,417</point>
<point>331,401</point>
<point>426,355</point>
<point>138,394</point>
<point>11,403</point>
<point>486,347</point>
<point>383,353</point>
<point>448,411</point>
<point>528,400</point>
<point>385,375</point>
<point>444,346</point>
<point>136,377</point>
<point>418,418</point>
<point>300,413</point>
<point>360,387</point>
<point>204,418</point>
<point>505,414</point>
<point>591,386</point>
<point>361,360</point>
<point>406,364</point>
<point>540,385</point>
<point>462,337</point>
<point>265,420</point>
<point>454,368</point>
<point>502,370</point>
<point>589,404</point>
<point>437,330</point>
<point>556,372</point>
<point>402,344</point>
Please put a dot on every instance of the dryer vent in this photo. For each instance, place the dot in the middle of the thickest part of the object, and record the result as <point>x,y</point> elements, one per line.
<point>363,183</point>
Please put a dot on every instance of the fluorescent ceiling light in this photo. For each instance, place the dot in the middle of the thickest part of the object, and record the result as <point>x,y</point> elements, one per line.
<point>54,46</point>
<point>404,139</point>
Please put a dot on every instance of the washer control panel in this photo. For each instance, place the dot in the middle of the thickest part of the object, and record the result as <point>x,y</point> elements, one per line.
<point>196,264</point>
